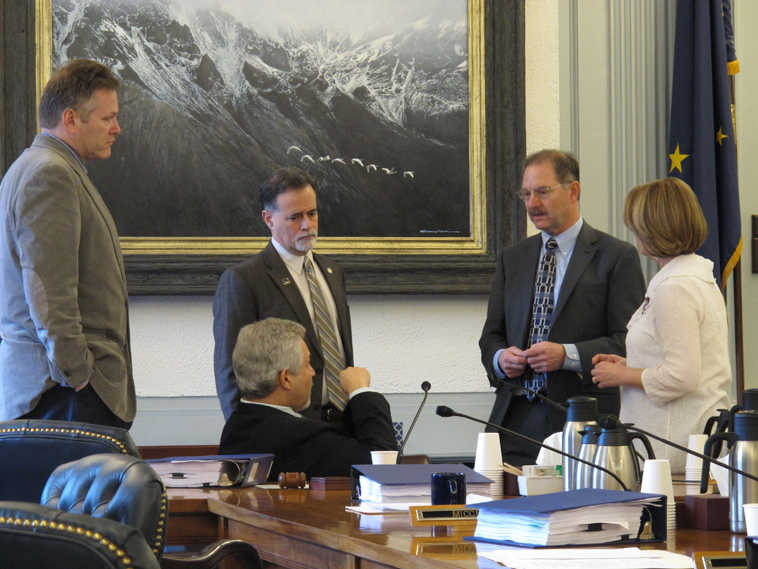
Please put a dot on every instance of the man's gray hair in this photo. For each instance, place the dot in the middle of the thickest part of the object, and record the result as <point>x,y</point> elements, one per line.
<point>264,349</point>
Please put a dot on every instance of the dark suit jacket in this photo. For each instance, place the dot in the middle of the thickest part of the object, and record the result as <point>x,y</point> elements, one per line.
<point>314,447</point>
<point>602,287</point>
<point>260,288</point>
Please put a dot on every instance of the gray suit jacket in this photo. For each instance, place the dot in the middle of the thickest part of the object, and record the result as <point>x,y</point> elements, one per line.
<point>63,307</point>
<point>260,288</point>
<point>602,287</point>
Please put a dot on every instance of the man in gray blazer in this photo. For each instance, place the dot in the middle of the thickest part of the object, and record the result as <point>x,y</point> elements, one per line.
<point>275,283</point>
<point>63,301</point>
<point>595,286</point>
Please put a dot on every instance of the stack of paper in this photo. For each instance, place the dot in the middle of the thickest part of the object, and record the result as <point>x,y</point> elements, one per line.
<point>578,517</point>
<point>616,558</point>
<point>213,470</point>
<point>405,484</point>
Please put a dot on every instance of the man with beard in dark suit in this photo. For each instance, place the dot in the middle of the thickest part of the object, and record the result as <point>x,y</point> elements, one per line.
<point>274,376</point>
<point>287,280</point>
<point>557,299</point>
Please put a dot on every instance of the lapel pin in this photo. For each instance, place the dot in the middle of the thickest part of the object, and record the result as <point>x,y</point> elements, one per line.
<point>286,281</point>
<point>329,270</point>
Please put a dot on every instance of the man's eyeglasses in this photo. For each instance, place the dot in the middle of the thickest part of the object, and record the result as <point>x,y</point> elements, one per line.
<point>542,193</point>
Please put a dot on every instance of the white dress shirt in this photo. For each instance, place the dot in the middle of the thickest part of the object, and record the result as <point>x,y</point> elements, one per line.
<point>679,336</point>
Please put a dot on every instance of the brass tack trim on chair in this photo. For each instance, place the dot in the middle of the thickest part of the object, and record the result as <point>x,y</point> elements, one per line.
<point>68,528</point>
<point>81,432</point>
<point>159,530</point>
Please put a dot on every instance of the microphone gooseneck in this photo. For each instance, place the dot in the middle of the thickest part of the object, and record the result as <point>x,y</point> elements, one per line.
<point>445,411</point>
<point>693,452</point>
<point>425,387</point>
<point>539,395</point>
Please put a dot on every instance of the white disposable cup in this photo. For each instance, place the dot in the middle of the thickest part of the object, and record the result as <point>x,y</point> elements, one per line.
<point>656,477</point>
<point>696,443</point>
<point>383,457</point>
<point>488,453</point>
<point>751,519</point>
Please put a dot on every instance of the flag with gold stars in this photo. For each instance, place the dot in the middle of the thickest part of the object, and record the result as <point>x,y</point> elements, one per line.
<point>702,149</point>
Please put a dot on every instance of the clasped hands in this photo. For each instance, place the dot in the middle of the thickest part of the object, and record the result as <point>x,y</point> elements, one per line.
<point>611,370</point>
<point>542,357</point>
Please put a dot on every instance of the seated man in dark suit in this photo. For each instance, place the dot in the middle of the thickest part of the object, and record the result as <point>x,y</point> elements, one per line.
<point>274,375</point>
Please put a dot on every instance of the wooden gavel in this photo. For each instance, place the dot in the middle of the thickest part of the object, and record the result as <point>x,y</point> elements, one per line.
<point>292,480</point>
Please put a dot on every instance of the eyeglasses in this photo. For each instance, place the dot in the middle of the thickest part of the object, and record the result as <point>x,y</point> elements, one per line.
<point>542,193</point>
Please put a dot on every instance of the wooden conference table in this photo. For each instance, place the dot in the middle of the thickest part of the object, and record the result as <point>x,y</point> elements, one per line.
<point>311,529</point>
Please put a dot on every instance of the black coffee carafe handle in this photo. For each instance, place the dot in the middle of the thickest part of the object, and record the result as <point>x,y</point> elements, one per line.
<point>714,420</point>
<point>712,445</point>
<point>645,442</point>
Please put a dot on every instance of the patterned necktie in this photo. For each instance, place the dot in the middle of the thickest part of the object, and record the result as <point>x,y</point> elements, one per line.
<point>542,312</point>
<point>334,360</point>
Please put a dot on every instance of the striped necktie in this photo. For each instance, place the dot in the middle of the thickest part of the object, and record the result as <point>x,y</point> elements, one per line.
<point>334,360</point>
<point>542,312</point>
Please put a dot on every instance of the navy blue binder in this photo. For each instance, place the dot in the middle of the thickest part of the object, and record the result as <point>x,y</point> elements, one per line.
<point>408,474</point>
<point>543,505</point>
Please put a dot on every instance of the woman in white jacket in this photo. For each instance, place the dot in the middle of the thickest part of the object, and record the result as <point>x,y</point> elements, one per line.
<point>676,372</point>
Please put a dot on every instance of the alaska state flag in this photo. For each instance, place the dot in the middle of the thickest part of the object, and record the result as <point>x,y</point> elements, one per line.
<point>702,145</point>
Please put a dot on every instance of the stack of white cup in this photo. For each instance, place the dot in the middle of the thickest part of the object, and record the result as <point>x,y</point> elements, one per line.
<point>751,519</point>
<point>489,461</point>
<point>694,465</point>
<point>656,479</point>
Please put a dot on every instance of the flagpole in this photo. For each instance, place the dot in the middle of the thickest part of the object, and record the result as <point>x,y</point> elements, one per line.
<point>739,352</point>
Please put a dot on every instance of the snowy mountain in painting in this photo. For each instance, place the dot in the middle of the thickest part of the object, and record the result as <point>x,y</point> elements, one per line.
<point>210,106</point>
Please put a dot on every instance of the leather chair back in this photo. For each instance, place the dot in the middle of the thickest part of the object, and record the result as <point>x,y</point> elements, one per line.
<point>33,536</point>
<point>31,450</point>
<point>118,487</point>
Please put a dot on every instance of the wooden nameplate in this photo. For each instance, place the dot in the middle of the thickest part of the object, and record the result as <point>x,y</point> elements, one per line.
<point>448,515</point>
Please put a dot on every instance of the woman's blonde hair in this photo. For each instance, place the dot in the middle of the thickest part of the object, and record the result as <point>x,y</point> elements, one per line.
<point>666,217</point>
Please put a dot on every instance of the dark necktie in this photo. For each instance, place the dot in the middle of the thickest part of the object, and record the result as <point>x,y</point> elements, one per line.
<point>542,312</point>
<point>334,361</point>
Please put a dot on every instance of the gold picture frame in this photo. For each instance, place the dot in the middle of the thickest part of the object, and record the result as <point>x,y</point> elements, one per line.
<point>169,265</point>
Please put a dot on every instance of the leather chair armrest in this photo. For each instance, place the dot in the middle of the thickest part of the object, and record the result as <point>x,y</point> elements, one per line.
<point>211,556</point>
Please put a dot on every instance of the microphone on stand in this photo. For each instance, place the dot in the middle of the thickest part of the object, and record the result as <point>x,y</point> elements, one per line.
<point>425,386</point>
<point>706,458</point>
<point>445,411</point>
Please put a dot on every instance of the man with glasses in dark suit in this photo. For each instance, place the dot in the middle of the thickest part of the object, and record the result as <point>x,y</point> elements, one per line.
<point>557,299</point>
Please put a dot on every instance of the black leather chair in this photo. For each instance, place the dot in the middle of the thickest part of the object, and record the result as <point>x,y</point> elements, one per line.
<point>101,511</point>
<point>32,449</point>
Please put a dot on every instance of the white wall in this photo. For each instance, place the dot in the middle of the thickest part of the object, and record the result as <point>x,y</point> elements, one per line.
<point>746,87</point>
<point>402,340</point>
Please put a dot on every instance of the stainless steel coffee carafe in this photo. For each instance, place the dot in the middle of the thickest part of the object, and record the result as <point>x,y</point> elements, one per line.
<point>724,421</point>
<point>615,451</point>
<point>743,454</point>
<point>582,411</point>
<point>587,450</point>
